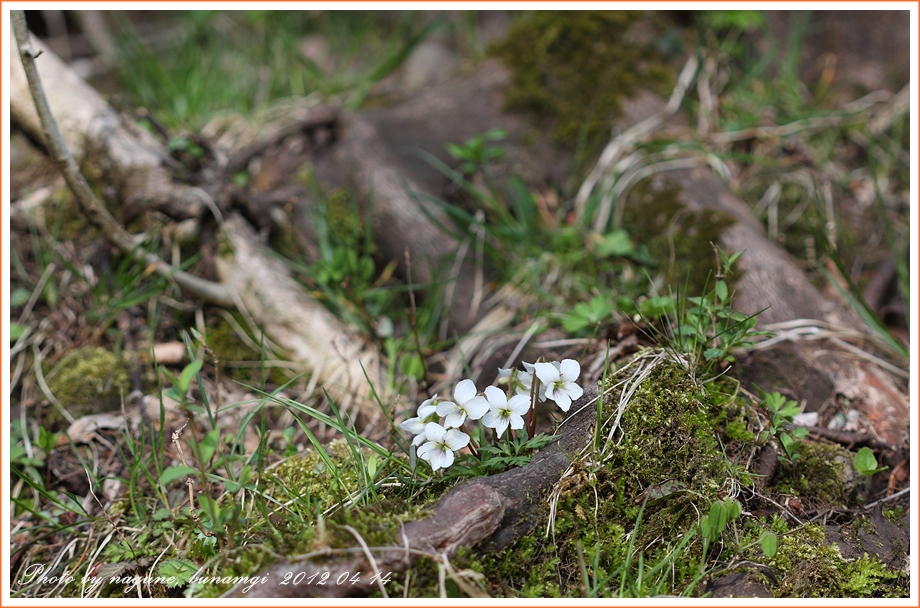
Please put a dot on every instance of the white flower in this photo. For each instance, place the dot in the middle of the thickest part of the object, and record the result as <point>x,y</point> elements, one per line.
<point>520,381</point>
<point>441,445</point>
<point>415,426</point>
<point>427,412</point>
<point>559,380</point>
<point>428,407</point>
<point>466,404</point>
<point>503,411</point>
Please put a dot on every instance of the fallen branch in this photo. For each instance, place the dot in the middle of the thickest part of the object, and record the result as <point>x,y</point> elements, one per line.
<point>92,208</point>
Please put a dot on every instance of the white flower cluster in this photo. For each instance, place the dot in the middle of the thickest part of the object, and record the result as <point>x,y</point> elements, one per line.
<point>437,422</point>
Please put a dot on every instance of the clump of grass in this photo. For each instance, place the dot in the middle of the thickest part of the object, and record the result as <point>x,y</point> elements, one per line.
<point>194,73</point>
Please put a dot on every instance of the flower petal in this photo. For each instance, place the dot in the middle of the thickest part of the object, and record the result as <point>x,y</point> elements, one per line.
<point>456,440</point>
<point>501,425</point>
<point>413,425</point>
<point>546,372</point>
<point>442,459</point>
<point>519,404</point>
<point>428,407</point>
<point>517,422</point>
<point>574,391</point>
<point>425,451</point>
<point>495,396</point>
<point>455,419</point>
<point>434,431</point>
<point>491,419</point>
<point>569,370</point>
<point>476,407</point>
<point>562,399</point>
<point>446,408</point>
<point>464,391</point>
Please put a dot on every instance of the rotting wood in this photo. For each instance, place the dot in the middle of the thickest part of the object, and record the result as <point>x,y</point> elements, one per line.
<point>341,361</point>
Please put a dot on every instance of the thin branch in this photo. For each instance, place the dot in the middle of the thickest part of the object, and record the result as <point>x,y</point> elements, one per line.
<point>92,208</point>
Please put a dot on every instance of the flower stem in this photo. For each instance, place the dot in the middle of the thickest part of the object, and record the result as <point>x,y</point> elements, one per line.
<point>474,448</point>
<point>532,414</point>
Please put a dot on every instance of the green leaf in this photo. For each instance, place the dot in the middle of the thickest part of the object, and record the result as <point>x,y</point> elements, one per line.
<point>19,297</point>
<point>615,244</point>
<point>372,467</point>
<point>656,306</point>
<point>866,463</point>
<point>769,543</point>
<point>790,410</point>
<point>173,473</point>
<point>208,446</point>
<point>774,401</point>
<point>246,474</point>
<point>721,290</point>
<point>733,508</point>
<point>16,331</point>
<point>790,445</point>
<point>185,380</point>
<point>713,353</point>
<point>177,572</point>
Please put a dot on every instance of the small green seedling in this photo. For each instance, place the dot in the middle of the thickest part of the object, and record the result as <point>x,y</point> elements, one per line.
<point>769,543</point>
<point>720,515</point>
<point>586,315</point>
<point>782,412</point>
<point>866,462</point>
<point>179,389</point>
<point>476,153</point>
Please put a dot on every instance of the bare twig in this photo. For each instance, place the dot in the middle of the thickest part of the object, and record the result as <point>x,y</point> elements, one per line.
<point>92,208</point>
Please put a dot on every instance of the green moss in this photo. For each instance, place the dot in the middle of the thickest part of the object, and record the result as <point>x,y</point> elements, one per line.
<point>88,380</point>
<point>669,453</point>
<point>309,487</point>
<point>574,68</point>
<point>894,515</point>
<point>807,567</point>
<point>679,240</point>
<point>342,217</point>
<point>736,430</point>
<point>822,476</point>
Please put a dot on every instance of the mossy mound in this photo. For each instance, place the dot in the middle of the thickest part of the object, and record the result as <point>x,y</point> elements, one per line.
<point>231,350</point>
<point>662,470</point>
<point>574,68</point>
<point>88,380</point>
<point>822,476</point>
<point>808,567</point>
<point>678,239</point>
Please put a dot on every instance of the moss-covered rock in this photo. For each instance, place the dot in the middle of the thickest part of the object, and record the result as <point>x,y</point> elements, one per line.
<point>806,566</point>
<point>574,68</point>
<point>679,240</point>
<point>661,471</point>
<point>88,380</point>
<point>822,476</point>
